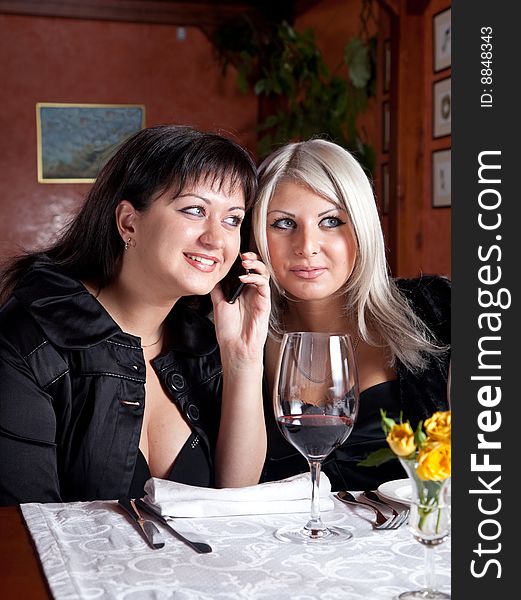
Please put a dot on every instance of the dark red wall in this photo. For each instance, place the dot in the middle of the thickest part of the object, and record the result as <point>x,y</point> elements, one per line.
<point>45,59</point>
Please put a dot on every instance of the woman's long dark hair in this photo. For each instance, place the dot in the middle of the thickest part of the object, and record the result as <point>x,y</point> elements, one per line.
<point>147,164</point>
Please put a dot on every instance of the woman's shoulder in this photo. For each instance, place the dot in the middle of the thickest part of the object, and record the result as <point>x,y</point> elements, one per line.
<point>430,298</point>
<point>193,330</point>
<point>434,290</point>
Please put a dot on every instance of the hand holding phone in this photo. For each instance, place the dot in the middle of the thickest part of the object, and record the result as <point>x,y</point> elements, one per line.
<point>231,285</point>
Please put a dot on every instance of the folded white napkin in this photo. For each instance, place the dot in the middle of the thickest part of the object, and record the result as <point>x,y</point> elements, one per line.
<point>291,495</point>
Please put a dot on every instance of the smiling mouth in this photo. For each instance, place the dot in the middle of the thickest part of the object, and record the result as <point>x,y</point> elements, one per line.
<point>201,263</point>
<point>204,261</point>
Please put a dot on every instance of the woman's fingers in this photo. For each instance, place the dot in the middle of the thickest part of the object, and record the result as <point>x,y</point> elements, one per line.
<point>251,262</point>
<point>258,272</point>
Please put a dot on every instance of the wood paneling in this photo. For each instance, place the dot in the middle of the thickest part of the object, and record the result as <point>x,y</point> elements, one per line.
<point>199,14</point>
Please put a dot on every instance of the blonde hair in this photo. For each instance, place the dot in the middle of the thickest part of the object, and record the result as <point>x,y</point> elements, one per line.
<point>382,313</point>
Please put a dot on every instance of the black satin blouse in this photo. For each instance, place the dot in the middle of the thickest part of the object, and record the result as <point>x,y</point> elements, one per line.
<point>72,393</point>
<point>191,467</point>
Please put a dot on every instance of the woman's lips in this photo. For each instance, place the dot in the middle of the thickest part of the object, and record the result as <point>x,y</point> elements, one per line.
<point>204,263</point>
<point>308,272</point>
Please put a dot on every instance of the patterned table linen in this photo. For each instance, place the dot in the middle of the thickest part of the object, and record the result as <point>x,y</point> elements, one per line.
<point>90,550</point>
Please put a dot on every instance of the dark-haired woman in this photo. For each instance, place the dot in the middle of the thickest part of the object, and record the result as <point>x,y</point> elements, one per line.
<point>109,372</point>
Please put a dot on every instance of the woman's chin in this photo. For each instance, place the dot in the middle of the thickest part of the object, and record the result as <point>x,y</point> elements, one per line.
<point>308,296</point>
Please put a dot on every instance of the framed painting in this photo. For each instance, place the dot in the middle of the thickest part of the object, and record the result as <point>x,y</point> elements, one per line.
<point>441,40</point>
<point>441,173</point>
<point>75,140</point>
<point>441,108</point>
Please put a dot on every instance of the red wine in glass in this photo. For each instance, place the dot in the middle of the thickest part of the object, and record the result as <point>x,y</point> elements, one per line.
<point>315,436</point>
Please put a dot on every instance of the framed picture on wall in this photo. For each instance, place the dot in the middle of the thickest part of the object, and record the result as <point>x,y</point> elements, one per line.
<point>387,65</point>
<point>386,126</point>
<point>385,188</point>
<point>441,107</point>
<point>441,172</point>
<point>441,40</point>
<point>75,140</point>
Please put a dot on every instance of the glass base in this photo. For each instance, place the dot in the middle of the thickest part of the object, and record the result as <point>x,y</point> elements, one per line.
<point>303,535</point>
<point>424,595</point>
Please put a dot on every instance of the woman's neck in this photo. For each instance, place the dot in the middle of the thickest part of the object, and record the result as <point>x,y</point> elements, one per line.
<point>132,310</point>
<point>324,315</point>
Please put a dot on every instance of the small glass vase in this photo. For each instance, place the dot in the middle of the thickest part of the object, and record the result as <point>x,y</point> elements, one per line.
<point>429,523</point>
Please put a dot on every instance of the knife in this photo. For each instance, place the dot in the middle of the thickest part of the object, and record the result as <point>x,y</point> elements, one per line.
<point>200,547</point>
<point>370,495</point>
<point>150,531</point>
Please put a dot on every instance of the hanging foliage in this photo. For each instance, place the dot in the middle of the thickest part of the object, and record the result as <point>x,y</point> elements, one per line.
<point>304,97</point>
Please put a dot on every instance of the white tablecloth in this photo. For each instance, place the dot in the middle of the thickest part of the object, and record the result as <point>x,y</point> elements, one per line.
<point>90,550</point>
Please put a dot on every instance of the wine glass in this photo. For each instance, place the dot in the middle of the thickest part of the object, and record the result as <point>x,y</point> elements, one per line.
<point>315,401</point>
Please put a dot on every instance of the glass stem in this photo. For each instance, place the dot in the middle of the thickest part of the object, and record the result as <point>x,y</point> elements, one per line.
<point>430,568</point>
<point>315,521</point>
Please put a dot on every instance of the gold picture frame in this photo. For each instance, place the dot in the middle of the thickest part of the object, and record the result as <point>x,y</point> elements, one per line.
<point>441,108</point>
<point>75,140</point>
<point>441,178</point>
<point>441,38</point>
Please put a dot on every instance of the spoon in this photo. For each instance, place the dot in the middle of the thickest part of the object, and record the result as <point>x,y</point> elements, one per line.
<point>371,496</point>
<point>348,498</point>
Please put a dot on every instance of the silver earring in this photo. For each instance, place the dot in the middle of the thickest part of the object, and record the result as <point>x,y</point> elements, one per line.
<point>127,243</point>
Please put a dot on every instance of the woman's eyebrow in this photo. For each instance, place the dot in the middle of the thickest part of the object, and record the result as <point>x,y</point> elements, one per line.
<point>329,210</point>
<point>192,195</point>
<point>284,212</point>
<point>321,214</point>
<point>207,200</point>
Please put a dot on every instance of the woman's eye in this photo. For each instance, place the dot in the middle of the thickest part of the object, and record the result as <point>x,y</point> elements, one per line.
<point>283,224</point>
<point>233,220</point>
<point>197,211</point>
<point>331,222</point>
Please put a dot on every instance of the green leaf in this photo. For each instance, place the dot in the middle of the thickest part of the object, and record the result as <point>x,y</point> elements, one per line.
<point>260,86</point>
<point>419,436</point>
<point>387,423</point>
<point>377,457</point>
<point>358,60</point>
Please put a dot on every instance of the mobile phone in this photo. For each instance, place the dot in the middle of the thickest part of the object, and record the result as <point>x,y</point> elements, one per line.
<point>231,285</point>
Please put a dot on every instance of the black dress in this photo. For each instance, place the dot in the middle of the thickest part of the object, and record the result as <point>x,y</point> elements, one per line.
<point>191,467</point>
<point>415,394</point>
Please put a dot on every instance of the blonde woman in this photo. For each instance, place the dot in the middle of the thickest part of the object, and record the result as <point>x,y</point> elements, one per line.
<point>317,229</point>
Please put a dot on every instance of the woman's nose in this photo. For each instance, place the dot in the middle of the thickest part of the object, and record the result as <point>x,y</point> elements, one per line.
<point>213,234</point>
<point>307,244</point>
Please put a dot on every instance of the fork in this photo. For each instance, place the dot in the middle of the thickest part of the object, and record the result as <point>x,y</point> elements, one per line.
<point>382,522</point>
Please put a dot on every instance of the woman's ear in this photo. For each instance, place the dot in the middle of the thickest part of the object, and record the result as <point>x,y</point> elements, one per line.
<point>125,218</point>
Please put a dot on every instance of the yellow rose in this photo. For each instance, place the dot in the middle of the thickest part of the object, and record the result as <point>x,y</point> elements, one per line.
<point>401,439</point>
<point>434,461</point>
<point>438,426</point>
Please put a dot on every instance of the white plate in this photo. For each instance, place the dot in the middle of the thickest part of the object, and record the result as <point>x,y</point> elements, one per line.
<point>398,490</point>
